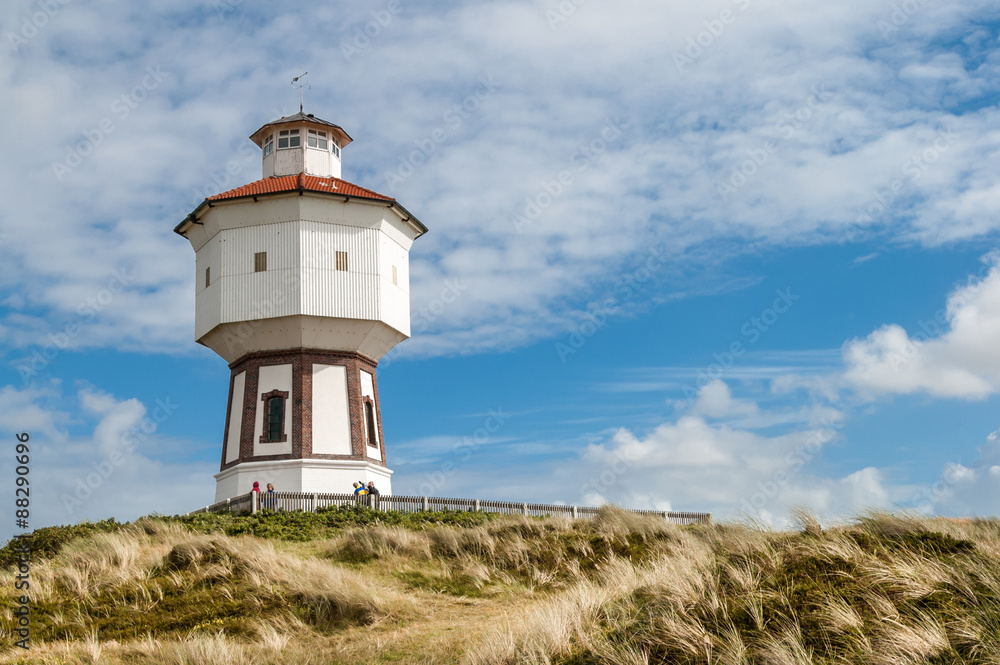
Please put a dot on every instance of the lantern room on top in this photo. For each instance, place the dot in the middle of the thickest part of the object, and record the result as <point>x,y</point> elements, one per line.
<point>301,143</point>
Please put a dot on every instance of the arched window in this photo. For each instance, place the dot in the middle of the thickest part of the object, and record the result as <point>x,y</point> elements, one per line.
<point>273,430</point>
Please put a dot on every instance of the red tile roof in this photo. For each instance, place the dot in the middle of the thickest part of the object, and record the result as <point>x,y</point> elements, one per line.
<point>293,183</point>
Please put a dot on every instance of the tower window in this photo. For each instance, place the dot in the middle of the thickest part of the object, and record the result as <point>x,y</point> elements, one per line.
<point>395,279</point>
<point>289,138</point>
<point>336,149</point>
<point>341,261</point>
<point>260,262</point>
<point>316,139</point>
<point>269,145</point>
<point>273,430</point>
<point>370,422</point>
<point>208,276</point>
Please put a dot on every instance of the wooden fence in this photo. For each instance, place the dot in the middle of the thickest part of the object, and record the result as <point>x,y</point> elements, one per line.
<point>304,501</point>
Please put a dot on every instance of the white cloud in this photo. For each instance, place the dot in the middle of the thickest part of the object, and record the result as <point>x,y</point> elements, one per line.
<point>689,464</point>
<point>954,354</point>
<point>32,410</point>
<point>715,400</point>
<point>963,490</point>
<point>121,469</point>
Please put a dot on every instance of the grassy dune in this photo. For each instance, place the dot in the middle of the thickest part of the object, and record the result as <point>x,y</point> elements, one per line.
<point>352,585</point>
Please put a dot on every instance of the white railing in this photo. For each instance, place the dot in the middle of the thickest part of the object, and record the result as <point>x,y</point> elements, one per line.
<point>305,501</point>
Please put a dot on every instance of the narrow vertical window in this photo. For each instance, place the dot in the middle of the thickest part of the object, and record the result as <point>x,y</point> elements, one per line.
<point>370,421</point>
<point>395,279</point>
<point>341,261</point>
<point>208,276</point>
<point>273,430</point>
<point>269,145</point>
<point>275,418</point>
<point>260,262</point>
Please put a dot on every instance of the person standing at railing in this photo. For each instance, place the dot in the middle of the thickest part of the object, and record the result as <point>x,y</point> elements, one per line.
<point>268,499</point>
<point>374,493</point>
<point>359,489</point>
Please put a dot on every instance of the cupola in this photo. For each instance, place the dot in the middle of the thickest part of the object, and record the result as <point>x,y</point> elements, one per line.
<point>300,143</point>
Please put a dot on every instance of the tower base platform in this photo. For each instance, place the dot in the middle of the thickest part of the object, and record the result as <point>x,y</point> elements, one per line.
<point>301,475</point>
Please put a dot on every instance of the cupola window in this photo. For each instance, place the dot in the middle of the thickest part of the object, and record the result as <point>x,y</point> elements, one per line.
<point>317,139</point>
<point>269,145</point>
<point>336,149</point>
<point>289,138</point>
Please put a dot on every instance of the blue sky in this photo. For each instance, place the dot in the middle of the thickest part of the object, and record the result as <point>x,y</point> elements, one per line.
<point>735,255</point>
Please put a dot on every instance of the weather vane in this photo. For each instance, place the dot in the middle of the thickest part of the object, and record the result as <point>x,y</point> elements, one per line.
<point>303,84</point>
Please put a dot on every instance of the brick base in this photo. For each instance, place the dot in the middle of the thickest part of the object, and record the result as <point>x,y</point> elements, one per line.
<point>300,408</point>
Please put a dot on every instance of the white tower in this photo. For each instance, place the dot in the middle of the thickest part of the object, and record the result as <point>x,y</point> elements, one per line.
<point>302,285</point>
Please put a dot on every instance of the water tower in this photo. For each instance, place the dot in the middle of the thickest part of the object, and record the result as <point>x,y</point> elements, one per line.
<point>302,285</point>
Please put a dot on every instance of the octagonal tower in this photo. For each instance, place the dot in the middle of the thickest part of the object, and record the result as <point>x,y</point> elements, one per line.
<point>302,285</point>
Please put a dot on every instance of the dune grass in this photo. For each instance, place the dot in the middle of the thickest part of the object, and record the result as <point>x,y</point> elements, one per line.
<point>619,589</point>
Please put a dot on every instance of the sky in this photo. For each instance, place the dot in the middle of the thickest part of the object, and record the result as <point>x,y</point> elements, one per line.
<point>735,256</point>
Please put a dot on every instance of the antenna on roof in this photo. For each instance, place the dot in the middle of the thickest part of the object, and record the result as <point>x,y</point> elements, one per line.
<point>303,84</point>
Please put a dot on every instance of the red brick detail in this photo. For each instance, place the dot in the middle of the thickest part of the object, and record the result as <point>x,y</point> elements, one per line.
<point>300,406</point>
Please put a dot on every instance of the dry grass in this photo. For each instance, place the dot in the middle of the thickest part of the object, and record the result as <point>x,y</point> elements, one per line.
<point>618,590</point>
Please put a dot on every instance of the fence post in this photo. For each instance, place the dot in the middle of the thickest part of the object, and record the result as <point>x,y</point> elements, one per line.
<point>574,513</point>
<point>666,516</point>
<point>253,503</point>
<point>524,508</point>
<point>315,503</point>
<point>477,505</point>
<point>427,503</point>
